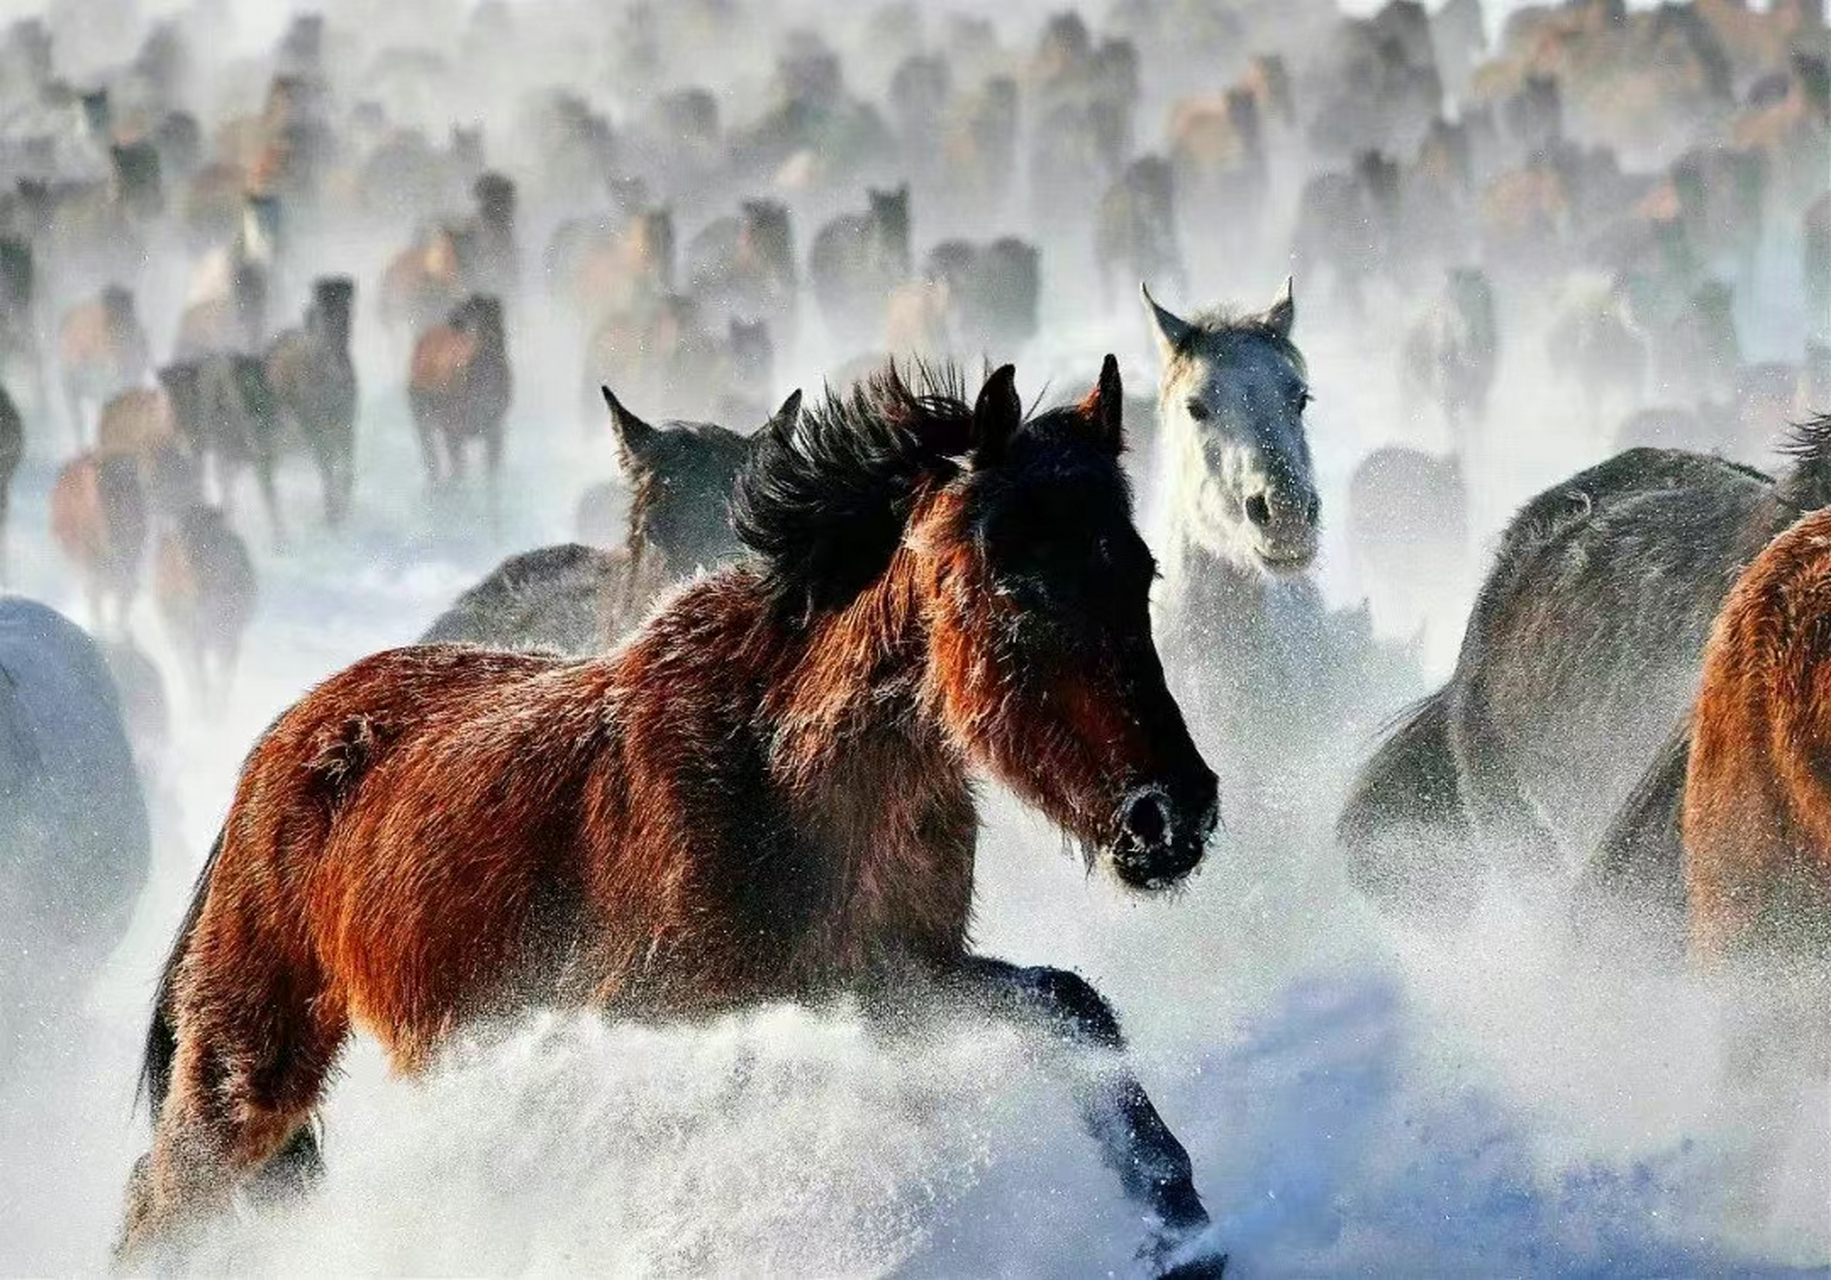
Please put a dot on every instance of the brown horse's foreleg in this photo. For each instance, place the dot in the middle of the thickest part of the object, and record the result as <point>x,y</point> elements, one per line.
<point>1135,1142</point>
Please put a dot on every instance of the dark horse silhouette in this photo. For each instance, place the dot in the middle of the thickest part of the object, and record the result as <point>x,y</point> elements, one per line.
<point>580,599</point>
<point>1580,657</point>
<point>764,794</point>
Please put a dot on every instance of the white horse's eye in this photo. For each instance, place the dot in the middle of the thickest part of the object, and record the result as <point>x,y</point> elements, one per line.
<point>1199,411</point>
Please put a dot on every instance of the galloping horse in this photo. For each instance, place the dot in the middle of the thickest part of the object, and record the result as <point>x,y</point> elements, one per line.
<point>764,794</point>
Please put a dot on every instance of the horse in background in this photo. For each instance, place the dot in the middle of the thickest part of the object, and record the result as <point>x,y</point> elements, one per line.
<point>102,350</point>
<point>855,262</point>
<point>73,819</point>
<point>764,794</point>
<point>313,379</point>
<point>459,388</point>
<point>204,585</point>
<point>1452,354</point>
<point>99,521</point>
<point>581,599</point>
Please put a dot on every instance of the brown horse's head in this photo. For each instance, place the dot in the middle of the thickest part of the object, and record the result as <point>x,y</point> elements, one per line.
<point>1027,591</point>
<point>1040,633</point>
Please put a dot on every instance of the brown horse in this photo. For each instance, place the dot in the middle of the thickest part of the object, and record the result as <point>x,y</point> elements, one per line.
<point>459,388</point>
<point>764,794</point>
<point>203,581</point>
<point>1757,801</point>
<point>101,350</point>
<point>98,520</point>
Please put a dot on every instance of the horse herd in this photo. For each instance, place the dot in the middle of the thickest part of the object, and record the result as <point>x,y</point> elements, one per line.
<point>607,779</point>
<point>725,749</point>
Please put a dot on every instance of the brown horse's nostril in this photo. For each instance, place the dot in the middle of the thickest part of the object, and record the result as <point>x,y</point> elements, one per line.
<point>1147,818</point>
<point>1258,510</point>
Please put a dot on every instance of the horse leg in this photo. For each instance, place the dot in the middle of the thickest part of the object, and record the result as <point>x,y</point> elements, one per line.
<point>454,458</point>
<point>263,474</point>
<point>256,1041</point>
<point>492,468</point>
<point>1499,806</point>
<point>73,403</point>
<point>292,1171</point>
<point>326,458</point>
<point>1152,1165</point>
<point>429,449</point>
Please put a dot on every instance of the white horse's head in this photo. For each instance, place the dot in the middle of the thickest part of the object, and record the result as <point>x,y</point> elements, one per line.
<point>1230,407</point>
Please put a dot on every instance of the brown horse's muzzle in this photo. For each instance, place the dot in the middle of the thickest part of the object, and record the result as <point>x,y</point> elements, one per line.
<point>1163,829</point>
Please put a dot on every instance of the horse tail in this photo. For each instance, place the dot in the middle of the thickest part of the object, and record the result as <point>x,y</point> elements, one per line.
<point>1404,831</point>
<point>162,1034</point>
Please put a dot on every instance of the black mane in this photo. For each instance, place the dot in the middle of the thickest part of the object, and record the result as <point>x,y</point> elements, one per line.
<point>1807,484</point>
<point>824,506</point>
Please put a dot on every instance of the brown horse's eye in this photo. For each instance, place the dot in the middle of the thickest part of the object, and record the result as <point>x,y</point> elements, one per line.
<point>1199,411</point>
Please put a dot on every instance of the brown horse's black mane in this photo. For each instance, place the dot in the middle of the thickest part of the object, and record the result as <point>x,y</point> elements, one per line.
<point>824,505</point>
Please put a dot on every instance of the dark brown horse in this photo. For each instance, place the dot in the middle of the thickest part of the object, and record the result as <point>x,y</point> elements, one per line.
<point>459,388</point>
<point>313,381</point>
<point>583,599</point>
<point>765,794</point>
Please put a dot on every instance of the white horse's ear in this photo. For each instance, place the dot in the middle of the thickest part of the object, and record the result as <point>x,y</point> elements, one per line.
<point>1171,331</point>
<point>1283,312</point>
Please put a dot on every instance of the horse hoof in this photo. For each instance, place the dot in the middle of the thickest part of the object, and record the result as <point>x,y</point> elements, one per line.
<point>1192,1257</point>
<point>1209,1266</point>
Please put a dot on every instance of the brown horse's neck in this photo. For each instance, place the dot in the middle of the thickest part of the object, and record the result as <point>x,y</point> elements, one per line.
<point>854,675</point>
<point>877,786</point>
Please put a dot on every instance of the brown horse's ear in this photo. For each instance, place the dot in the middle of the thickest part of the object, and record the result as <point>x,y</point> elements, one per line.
<point>1104,408</point>
<point>997,416</point>
<point>633,434</point>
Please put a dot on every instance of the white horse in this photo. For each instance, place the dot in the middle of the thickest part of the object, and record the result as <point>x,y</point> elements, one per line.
<point>74,842</point>
<point>1270,676</point>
